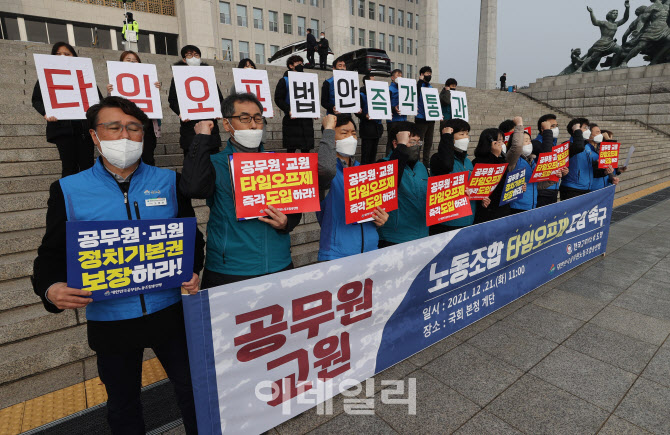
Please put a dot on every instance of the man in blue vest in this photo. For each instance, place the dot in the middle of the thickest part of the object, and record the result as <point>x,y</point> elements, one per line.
<point>120,329</point>
<point>578,180</point>
<point>408,222</point>
<point>452,157</point>
<point>328,89</point>
<point>336,151</point>
<point>547,126</point>
<point>236,250</point>
<point>297,133</point>
<point>426,127</point>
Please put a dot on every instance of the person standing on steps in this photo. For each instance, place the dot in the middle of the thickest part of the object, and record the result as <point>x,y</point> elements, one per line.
<point>120,329</point>
<point>311,48</point>
<point>297,133</point>
<point>71,137</point>
<point>426,127</point>
<point>323,47</point>
<point>503,82</point>
<point>152,129</point>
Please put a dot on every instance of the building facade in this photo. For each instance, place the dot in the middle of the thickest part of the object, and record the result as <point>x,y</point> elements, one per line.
<point>234,29</point>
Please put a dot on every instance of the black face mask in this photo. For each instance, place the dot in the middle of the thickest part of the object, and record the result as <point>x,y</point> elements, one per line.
<point>298,68</point>
<point>412,153</point>
<point>427,79</point>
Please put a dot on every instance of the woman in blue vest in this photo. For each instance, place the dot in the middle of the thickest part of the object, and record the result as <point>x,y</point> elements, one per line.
<point>528,161</point>
<point>408,222</point>
<point>336,151</point>
<point>120,329</point>
<point>452,157</point>
<point>601,177</point>
<point>578,180</point>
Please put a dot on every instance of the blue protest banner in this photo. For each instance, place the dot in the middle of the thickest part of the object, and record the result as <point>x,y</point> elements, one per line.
<point>122,258</point>
<point>266,349</point>
<point>513,188</point>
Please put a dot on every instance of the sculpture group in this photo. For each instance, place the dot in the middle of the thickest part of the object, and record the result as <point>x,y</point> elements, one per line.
<point>648,34</point>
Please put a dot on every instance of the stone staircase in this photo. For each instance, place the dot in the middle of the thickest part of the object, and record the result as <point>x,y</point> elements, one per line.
<point>42,352</point>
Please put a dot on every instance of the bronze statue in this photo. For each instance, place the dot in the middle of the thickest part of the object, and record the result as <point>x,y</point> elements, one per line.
<point>606,45</point>
<point>628,44</point>
<point>575,62</point>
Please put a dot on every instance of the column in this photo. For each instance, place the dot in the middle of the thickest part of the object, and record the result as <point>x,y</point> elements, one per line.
<point>486,58</point>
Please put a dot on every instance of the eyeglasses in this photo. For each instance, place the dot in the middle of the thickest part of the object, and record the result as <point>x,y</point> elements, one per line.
<point>190,55</point>
<point>246,119</point>
<point>134,129</point>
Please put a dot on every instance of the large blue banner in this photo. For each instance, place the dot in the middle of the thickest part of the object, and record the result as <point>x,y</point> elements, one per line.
<point>121,258</point>
<point>266,349</point>
<point>485,267</point>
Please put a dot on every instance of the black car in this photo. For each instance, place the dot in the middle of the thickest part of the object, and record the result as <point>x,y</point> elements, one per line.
<point>368,61</point>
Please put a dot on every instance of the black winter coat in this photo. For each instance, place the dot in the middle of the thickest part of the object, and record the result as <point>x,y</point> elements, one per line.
<point>187,129</point>
<point>296,133</point>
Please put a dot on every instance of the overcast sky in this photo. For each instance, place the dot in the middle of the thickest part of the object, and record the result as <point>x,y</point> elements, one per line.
<point>534,36</point>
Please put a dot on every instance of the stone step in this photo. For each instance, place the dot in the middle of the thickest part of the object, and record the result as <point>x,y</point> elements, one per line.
<point>21,184</point>
<point>32,320</point>
<point>16,293</point>
<point>14,266</point>
<point>23,201</point>
<point>15,242</point>
<point>22,220</point>
<point>29,357</point>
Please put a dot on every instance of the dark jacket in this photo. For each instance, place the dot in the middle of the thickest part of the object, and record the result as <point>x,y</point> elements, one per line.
<point>60,129</point>
<point>368,128</point>
<point>323,45</point>
<point>187,129</point>
<point>311,42</point>
<point>297,133</point>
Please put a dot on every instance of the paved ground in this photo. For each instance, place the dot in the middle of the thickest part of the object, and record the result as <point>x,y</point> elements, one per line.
<point>587,353</point>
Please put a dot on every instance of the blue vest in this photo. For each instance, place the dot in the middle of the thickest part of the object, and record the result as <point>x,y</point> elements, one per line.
<point>338,239</point>
<point>528,200</point>
<point>581,170</point>
<point>597,182</point>
<point>249,247</point>
<point>408,222</point>
<point>395,101</point>
<point>94,195</point>
<point>459,166</point>
<point>421,112</point>
<point>331,94</point>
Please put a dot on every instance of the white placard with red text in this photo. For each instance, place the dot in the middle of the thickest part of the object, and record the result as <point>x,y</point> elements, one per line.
<point>255,81</point>
<point>303,89</point>
<point>137,82</point>
<point>197,92</point>
<point>67,84</point>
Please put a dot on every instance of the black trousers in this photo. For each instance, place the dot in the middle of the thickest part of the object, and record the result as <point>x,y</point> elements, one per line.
<point>439,229</point>
<point>121,372</point>
<point>310,57</point>
<point>369,150</point>
<point>426,128</point>
<point>546,197</point>
<point>76,153</point>
<point>323,60</point>
<point>568,193</point>
<point>214,279</point>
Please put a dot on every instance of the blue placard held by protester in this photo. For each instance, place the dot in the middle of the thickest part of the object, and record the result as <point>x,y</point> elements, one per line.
<point>113,259</point>
<point>513,188</point>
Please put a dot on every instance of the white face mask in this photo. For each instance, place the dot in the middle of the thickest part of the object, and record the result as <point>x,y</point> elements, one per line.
<point>586,134</point>
<point>346,147</point>
<point>504,149</point>
<point>247,138</point>
<point>462,144</point>
<point>555,132</point>
<point>598,138</point>
<point>193,61</point>
<point>120,153</point>
<point>527,149</point>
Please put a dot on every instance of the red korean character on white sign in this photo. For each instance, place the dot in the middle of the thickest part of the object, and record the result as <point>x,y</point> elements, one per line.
<point>255,81</point>
<point>67,85</point>
<point>136,82</point>
<point>197,92</point>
